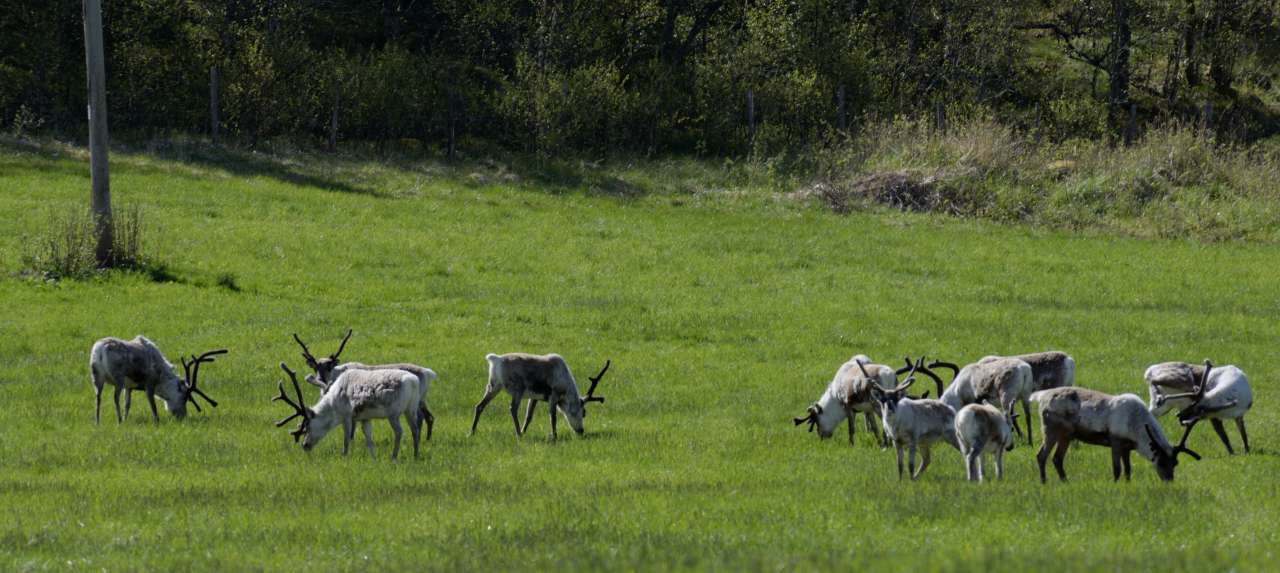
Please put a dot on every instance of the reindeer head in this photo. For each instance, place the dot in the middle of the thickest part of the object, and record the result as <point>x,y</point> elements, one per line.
<point>1166,460</point>
<point>575,407</point>
<point>187,389</point>
<point>1198,408</point>
<point>323,366</point>
<point>888,399</point>
<point>300,410</point>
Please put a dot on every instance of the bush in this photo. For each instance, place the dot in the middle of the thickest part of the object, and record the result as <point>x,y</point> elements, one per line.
<point>66,249</point>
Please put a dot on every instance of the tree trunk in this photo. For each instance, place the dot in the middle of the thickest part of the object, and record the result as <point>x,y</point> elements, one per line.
<point>97,79</point>
<point>333,120</point>
<point>840,116</point>
<point>214,122</point>
<point>1119,69</point>
<point>1190,32</point>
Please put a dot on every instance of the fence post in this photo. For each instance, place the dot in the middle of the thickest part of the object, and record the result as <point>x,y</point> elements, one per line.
<point>214,122</point>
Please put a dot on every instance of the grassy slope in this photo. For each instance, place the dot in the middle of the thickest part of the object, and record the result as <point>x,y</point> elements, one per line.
<point>724,317</point>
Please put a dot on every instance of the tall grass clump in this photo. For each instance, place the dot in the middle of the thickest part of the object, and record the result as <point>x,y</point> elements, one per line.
<point>1175,182</point>
<point>64,249</point>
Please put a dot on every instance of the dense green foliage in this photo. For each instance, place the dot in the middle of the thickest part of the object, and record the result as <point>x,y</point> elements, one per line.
<point>725,311</point>
<point>646,75</point>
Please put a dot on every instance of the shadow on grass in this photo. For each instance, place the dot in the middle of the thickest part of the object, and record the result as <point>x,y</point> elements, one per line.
<point>242,163</point>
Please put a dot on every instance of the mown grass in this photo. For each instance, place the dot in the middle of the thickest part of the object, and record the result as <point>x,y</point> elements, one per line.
<point>724,312</point>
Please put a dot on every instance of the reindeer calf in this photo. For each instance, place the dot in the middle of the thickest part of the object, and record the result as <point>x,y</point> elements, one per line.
<point>981,428</point>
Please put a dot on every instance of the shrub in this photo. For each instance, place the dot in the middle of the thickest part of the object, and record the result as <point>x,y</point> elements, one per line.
<point>66,248</point>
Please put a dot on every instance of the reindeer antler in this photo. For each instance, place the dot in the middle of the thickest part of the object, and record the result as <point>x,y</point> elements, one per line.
<point>591,397</point>
<point>335,355</point>
<point>300,410</point>
<point>306,354</point>
<point>192,371</point>
<point>920,367</point>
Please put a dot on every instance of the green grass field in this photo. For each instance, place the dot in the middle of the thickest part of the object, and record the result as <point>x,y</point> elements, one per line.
<point>725,311</point>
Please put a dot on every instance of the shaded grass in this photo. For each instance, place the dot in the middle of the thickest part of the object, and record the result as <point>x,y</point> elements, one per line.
<point>724,316</point>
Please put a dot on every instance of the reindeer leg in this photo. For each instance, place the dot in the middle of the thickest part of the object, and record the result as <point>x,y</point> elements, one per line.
<point>348,433</point>
<point>1115,463</point>
<point>489,393</point>
<point>1042,456</point>
<point>414,417</point>
<point>911,461</point>
<point>552,406</point>
<point>1059,456</point>
<point>128,402</point>
<point>852,416</point>
<point>528,414</point>
<point>366,426</point>
<point>116,397</point>
<point>898,447</point>
<point>97,404</point>
<point>999,455</point>
<point>1026,411</point>
<point>395,431</point>
<point>1222,434</point>
<point>970,468</point>
<point>151,400</point>
<point>1124,459</point>
<point>924,461</point>
<point>430,420</point>
<point>515,416</point>
<point>1244,436</point>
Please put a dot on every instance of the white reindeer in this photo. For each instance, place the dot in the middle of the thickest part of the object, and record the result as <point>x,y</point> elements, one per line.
<point>1004,381</point>
<point>1121,423</point>
<point>1225,396</point>
<point>537,377</point>
<point>914,424</point>
<point>327,370</point>
<point>138,364</point>
<point>1052,369</point>
<point>357,396</point>
<point>982,428</point>
<point>847,395</point>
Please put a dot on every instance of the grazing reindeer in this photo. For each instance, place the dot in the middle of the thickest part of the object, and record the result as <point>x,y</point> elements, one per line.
<point>328,369</point>
<point>1121,423</point>
<point>1051,369</point>
<point>545,378</point>
<point>132,364</point>
<point>1005,381</point>
<point>914,423</point>
<point>1225,395</point>
<point>982,428</point>
<point>357,396</point>
<point>849,393</point>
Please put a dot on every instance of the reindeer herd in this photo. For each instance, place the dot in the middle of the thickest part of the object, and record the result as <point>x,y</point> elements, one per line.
<point>976,412</point>
<point>350,392</point>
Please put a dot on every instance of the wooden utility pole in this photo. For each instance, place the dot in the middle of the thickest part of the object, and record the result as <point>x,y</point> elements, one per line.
<point>97,73</point>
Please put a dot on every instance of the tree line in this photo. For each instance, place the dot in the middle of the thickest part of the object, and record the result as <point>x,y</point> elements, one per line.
<point>662,76</point>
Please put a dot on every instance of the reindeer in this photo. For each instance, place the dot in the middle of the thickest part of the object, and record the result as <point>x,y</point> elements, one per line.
<point>1121,423</point>
<point>1225,395</point>
<point>848,394</point>
<point>1051,369</point>
<point>328,369</point>
<point>982,428</point>
<point>357,396</point>
<point>138,364</point>
<point>545,378</point>
<point>914,423</point>
<point>1001,380</point>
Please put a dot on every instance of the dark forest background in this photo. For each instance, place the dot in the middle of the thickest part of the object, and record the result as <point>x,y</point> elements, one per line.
<point>705,77</point>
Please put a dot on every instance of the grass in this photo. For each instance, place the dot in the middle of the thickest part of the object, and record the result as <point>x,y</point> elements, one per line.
<point>725,312</point>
